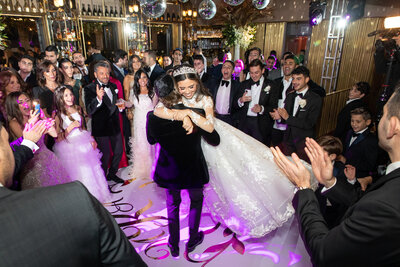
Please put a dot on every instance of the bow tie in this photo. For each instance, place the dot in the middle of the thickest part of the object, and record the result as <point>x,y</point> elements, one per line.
<point>355,134</point>
<point>225,83</point>
<point>300,95</point>
<point>147,69</point>
<point>105,85</point>
<point>257,83</point>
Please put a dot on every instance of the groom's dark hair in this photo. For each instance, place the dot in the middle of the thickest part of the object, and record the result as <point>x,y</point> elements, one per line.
<point>164,87</point>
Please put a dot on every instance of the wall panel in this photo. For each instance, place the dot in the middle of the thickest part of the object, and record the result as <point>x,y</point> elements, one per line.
<point>317,50</point>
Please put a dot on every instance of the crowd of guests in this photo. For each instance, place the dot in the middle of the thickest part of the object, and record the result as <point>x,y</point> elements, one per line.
<point>100,105</point>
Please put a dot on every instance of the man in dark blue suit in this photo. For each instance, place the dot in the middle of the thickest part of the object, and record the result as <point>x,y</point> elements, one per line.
<point>120,62</point>
<point>152,67</point>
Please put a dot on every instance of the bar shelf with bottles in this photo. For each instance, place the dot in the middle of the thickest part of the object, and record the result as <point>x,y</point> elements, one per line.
<point>31,8</point>
<point>89,11</point>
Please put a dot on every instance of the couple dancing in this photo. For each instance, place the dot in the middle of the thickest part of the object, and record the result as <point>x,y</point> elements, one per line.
<point>247,191</point>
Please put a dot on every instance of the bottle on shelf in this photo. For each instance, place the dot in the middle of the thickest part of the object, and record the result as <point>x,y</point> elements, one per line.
<point>68,34</point>
<point>1,5</point>
<point>8,5</point>
<point>73,33</point>
<point>94,13</point>
<point>83,10</point>
<point>41,8</point>
<point>173,17</point>
<point>33,7</point>
<point>120,12</point>
<point>106,12</point>
<point>59,35</point>
<point>26,6</point>
<point>88,11</point>
<point>168,17</point>
<point>99,11</point>
<point>115,12</point>
<point>64,34</point>
<point>18,7</point>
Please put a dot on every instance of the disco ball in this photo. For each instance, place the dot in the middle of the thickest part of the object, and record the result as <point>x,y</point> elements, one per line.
<point>183,1</point>
<point>234,2</point>
<point>207,9</point>
<point>153,8</point>
<point>260,4</point>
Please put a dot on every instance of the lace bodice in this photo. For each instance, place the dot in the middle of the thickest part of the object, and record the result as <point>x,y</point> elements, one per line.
<point>67,122</point>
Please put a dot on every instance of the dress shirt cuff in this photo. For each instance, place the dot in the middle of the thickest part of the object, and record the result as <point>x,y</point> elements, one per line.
<point>240,103</point>
<point>30,144</point>
<point>262,110</point>
<point>100,102</point>
<point>327,188</point>
<point>352,181</point>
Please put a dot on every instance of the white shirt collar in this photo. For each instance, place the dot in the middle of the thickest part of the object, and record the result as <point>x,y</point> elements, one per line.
<point>261,81</point>
<point>351,100</point>
<point>120,69</point>
<point>303,92</point>
<point>27,76</point>
<point>392,166</point>
<point>101,82</point>
<point>360,132</point>
<point>201,74</point>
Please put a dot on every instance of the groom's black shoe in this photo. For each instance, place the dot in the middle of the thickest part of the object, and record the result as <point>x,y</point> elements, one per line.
<point>190,246</point>
<point>115,178</point>
<point>174,250</point>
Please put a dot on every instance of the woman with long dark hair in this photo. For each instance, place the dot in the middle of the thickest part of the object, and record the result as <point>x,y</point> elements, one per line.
<point>67,78</point>
<point>77,149</point>
<point>144,100</point>
<point>48,79</point>
<point>44,169</point>
<point>10,81</point>
<point>135,63</point>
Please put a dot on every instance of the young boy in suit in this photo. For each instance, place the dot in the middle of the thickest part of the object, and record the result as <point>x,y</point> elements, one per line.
<point>361,146</point>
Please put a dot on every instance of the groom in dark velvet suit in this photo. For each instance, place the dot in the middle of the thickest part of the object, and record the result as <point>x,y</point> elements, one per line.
<point>60,225</point>
<point>180,165</point>
<point>100,99</point>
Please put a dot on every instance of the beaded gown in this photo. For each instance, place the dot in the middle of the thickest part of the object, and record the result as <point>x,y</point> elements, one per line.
<point>247,191</point>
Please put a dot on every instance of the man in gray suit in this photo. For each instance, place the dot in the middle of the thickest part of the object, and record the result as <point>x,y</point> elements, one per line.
<point>57,226</point>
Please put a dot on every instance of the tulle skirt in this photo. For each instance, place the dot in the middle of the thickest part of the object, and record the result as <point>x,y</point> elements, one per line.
<point>82,163</point>
<point>44,169</point>
<point>247,191</point>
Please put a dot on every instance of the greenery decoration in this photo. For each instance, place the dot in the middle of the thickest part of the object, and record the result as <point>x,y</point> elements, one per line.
<point>3,37</point>
<point>243,36</point>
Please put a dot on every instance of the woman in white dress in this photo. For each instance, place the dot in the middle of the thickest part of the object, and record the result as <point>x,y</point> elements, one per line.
<point>247,191</point>
<point>143,100</point>
<point>76,148</point>
<point>135,63</point>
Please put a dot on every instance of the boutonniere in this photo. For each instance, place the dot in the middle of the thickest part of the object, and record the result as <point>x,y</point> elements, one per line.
<point>302,103</point>
<point>116,91</point>
<point>267,89</point>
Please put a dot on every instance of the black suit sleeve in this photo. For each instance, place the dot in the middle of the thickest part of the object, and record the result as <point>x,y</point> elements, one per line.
<point>349,243</point>
<point>115,248</point>
<point>22,154</point>
<point>211,138</point>
<point>91,99</point>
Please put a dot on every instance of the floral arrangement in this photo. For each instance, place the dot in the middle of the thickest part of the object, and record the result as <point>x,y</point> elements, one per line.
<point>242,36</point>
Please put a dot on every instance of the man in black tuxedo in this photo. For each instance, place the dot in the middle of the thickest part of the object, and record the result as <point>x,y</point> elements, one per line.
<point>180,165</point>
<point>216,70</point>
<point>120,62</point>
<point>356,100</point>
<point>153,69</point>
<point>71,226</point>
<point>199,66</point>
<point>100,99</point>
<point>301,113</point>
<point>254,101</point>
<point>224,92</point>
<point>284,88</point>
<point>369,233</point>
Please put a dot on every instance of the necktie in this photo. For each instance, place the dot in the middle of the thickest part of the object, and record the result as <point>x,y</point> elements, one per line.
<point>299,95</point>
<point>355,134</point>
<point>257,83</point>
<point>225,83</point>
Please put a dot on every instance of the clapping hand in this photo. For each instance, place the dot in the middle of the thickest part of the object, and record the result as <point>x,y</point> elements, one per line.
<point>320,162</point>
<point>257,108</point>
<point>283,113</point>
<point>33,132</point>
<point>295,171</point>
<point>275,115</point>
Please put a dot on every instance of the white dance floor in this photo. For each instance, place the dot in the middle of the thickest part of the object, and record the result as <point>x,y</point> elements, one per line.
<point>139,208</point>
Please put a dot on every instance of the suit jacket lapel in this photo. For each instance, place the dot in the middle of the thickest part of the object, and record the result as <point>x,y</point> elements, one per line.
<point>263,94</point>
<point>361,137</point>
<point>383,180</point>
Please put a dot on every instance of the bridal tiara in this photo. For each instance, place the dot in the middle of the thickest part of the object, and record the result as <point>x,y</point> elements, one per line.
<point>184,70</point>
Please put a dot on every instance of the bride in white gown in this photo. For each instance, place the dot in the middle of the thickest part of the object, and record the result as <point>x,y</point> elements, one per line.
<point>247,191</point>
